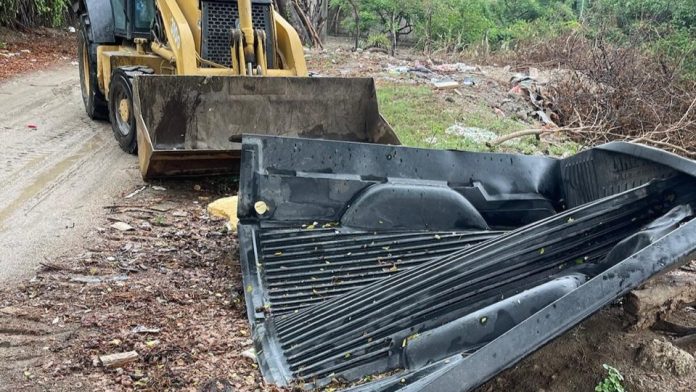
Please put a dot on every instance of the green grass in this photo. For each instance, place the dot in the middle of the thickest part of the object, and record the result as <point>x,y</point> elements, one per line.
<point>420,116</point>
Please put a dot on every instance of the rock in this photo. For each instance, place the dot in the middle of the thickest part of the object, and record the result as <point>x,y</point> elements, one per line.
<point>122,226</point>
<point>119,359</point>
<point>661,356</point>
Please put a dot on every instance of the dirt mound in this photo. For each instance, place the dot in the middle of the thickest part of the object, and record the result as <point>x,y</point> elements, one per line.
<point>661,356</point>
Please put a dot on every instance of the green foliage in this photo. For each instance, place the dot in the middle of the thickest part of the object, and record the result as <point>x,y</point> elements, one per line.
<point>612,383</point>
<point>378,40</point>
<point>31,13</point>
<point>665,28</point>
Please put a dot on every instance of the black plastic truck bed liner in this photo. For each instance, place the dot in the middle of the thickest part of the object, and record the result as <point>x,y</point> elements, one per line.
<point>367,259</point>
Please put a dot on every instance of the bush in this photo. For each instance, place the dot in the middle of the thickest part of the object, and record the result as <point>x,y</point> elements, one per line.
<point>618,92</point>
<point>378,40</point>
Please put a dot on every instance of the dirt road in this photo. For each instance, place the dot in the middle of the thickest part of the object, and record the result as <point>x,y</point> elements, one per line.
<point>58,170</point>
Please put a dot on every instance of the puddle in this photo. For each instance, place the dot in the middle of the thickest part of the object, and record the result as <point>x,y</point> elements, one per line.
<point>47,177</point>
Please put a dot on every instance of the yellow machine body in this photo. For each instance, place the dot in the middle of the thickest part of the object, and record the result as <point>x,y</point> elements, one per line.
<point>191,113</point>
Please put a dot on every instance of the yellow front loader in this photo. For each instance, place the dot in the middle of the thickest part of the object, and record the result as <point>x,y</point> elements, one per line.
<point>182,80</point>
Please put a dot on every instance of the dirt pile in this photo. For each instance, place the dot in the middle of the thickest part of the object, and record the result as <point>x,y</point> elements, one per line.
<point>661,356</point>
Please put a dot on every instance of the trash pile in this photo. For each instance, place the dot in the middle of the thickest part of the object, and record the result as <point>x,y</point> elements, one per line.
<point>536,92</point>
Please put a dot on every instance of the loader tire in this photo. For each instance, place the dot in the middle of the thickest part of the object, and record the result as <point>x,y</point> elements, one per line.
<point>121,106</point>
<point>92,97</point>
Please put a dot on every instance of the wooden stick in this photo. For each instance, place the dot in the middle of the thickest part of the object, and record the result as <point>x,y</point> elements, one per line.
<point>519,134</point>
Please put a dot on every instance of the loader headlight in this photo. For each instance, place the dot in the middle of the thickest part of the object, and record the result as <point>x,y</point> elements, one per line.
<point>175,34</point>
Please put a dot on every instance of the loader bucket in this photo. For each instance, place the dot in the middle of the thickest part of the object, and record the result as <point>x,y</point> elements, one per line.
<point>192,125</point>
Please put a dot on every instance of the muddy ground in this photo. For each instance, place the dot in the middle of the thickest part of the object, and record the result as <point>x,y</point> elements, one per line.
<point>58,169</point>
<point>79,284</point>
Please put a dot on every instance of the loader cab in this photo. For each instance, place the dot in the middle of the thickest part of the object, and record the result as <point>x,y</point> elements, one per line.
<point>133,18</point>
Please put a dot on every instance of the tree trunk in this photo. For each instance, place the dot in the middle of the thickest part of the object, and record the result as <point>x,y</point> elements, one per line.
<point>429,31</point>
<point>287,11</point>
<point>394,33</point>
<point>356,16</point>
<point>308,17</point>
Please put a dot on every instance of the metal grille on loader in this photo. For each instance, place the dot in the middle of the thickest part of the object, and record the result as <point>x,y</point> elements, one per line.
<point>220,17</point>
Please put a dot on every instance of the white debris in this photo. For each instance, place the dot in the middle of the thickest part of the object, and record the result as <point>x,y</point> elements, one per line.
<point>478,135</point>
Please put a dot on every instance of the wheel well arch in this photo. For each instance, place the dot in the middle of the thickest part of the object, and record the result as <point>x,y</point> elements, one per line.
<point>100,20</point>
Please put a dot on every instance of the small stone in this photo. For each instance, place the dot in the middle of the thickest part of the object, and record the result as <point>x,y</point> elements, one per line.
<point>122,226</point>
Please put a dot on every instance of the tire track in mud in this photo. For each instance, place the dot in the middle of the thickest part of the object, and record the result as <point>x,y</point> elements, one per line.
<point>57,170</point>
<point>23,343</point>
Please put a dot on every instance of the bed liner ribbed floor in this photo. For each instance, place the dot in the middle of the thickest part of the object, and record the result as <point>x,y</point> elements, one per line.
<point>446,267</point>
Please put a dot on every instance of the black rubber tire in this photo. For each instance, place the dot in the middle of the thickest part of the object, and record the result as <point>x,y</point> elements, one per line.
<point>121,88</point>
<point>92,97</point>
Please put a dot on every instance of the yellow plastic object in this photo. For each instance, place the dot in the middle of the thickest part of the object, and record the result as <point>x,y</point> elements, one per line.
<point>225,208</point>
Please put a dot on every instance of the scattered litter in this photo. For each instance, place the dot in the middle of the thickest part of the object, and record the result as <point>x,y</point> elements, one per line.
<point>122,226</point>
<point>398,69</point>
<point>478,135</point>
<point>457,67</point>
<point>135,192</point>
<point>533,91</point>
<point>119,359</point>
<point>159,188</point>
<point>225,208</point>
<point>444,84</point>
<point>71,29</point>
<point>32,126</point>
<point>544,118</point>
<point>469,81</point>
<point>144,329</point>
<point>180,214</point>
<point>250,354</point>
